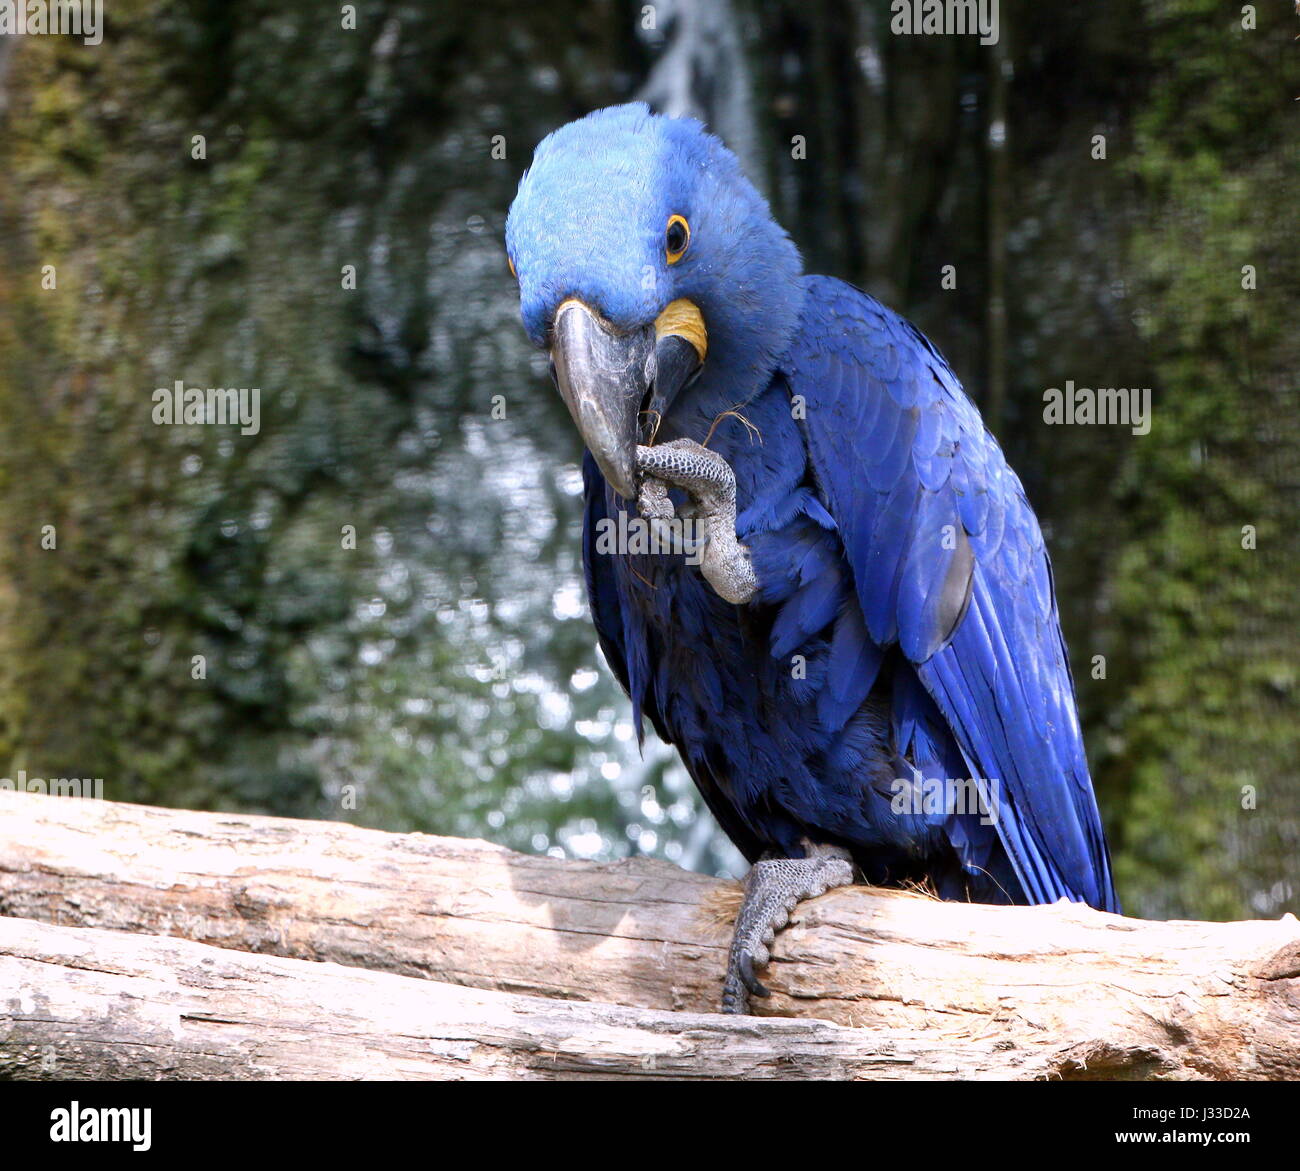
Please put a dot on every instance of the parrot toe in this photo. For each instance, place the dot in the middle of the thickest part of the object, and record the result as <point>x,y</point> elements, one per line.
<point>773,888</point>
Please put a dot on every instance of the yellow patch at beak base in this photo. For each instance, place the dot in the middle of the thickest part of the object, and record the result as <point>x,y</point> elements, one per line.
<point>681,318</point>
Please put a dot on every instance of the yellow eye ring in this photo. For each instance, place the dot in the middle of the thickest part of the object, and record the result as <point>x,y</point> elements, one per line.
<point>511,263</point>
<point>677,238</point>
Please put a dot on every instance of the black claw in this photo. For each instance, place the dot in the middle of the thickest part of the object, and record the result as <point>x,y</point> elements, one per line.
<point>745,963</point>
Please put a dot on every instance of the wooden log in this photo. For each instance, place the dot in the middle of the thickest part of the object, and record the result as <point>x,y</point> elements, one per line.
<point>1042,991</point>
<point>88,1004</point>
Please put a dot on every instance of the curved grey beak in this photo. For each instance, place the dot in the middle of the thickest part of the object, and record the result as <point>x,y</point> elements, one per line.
<point>606,379</point>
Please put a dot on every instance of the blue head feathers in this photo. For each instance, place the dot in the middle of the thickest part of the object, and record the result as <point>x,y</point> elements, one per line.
<point>591,222</point>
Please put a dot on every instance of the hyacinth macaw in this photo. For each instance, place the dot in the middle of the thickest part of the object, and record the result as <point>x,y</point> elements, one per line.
<point>861,622</point>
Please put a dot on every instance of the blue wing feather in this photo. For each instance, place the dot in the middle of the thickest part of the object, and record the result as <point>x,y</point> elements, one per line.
<point>949,563</point>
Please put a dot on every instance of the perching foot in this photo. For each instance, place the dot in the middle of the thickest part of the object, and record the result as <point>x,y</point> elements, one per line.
<point>773,888</point>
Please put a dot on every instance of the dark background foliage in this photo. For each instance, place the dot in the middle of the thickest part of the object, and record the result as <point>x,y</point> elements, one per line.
<point>442,675</point>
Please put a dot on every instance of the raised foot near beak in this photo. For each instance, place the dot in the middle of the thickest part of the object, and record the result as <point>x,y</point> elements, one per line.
<point>710,483</point>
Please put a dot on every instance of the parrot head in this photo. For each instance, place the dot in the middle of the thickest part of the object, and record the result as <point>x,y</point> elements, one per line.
<point>652,271</point>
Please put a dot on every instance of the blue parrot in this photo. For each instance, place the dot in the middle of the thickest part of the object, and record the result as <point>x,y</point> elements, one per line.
<point>840,609</point>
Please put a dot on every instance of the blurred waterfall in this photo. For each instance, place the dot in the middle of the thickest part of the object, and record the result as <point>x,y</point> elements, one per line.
<point>703,72</point>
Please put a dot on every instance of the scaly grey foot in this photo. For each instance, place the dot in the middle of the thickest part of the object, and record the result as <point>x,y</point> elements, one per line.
<point>708,480</point>
<point>773,888</point>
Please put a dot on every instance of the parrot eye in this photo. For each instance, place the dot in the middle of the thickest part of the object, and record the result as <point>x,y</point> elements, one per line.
<point>677,238</point>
